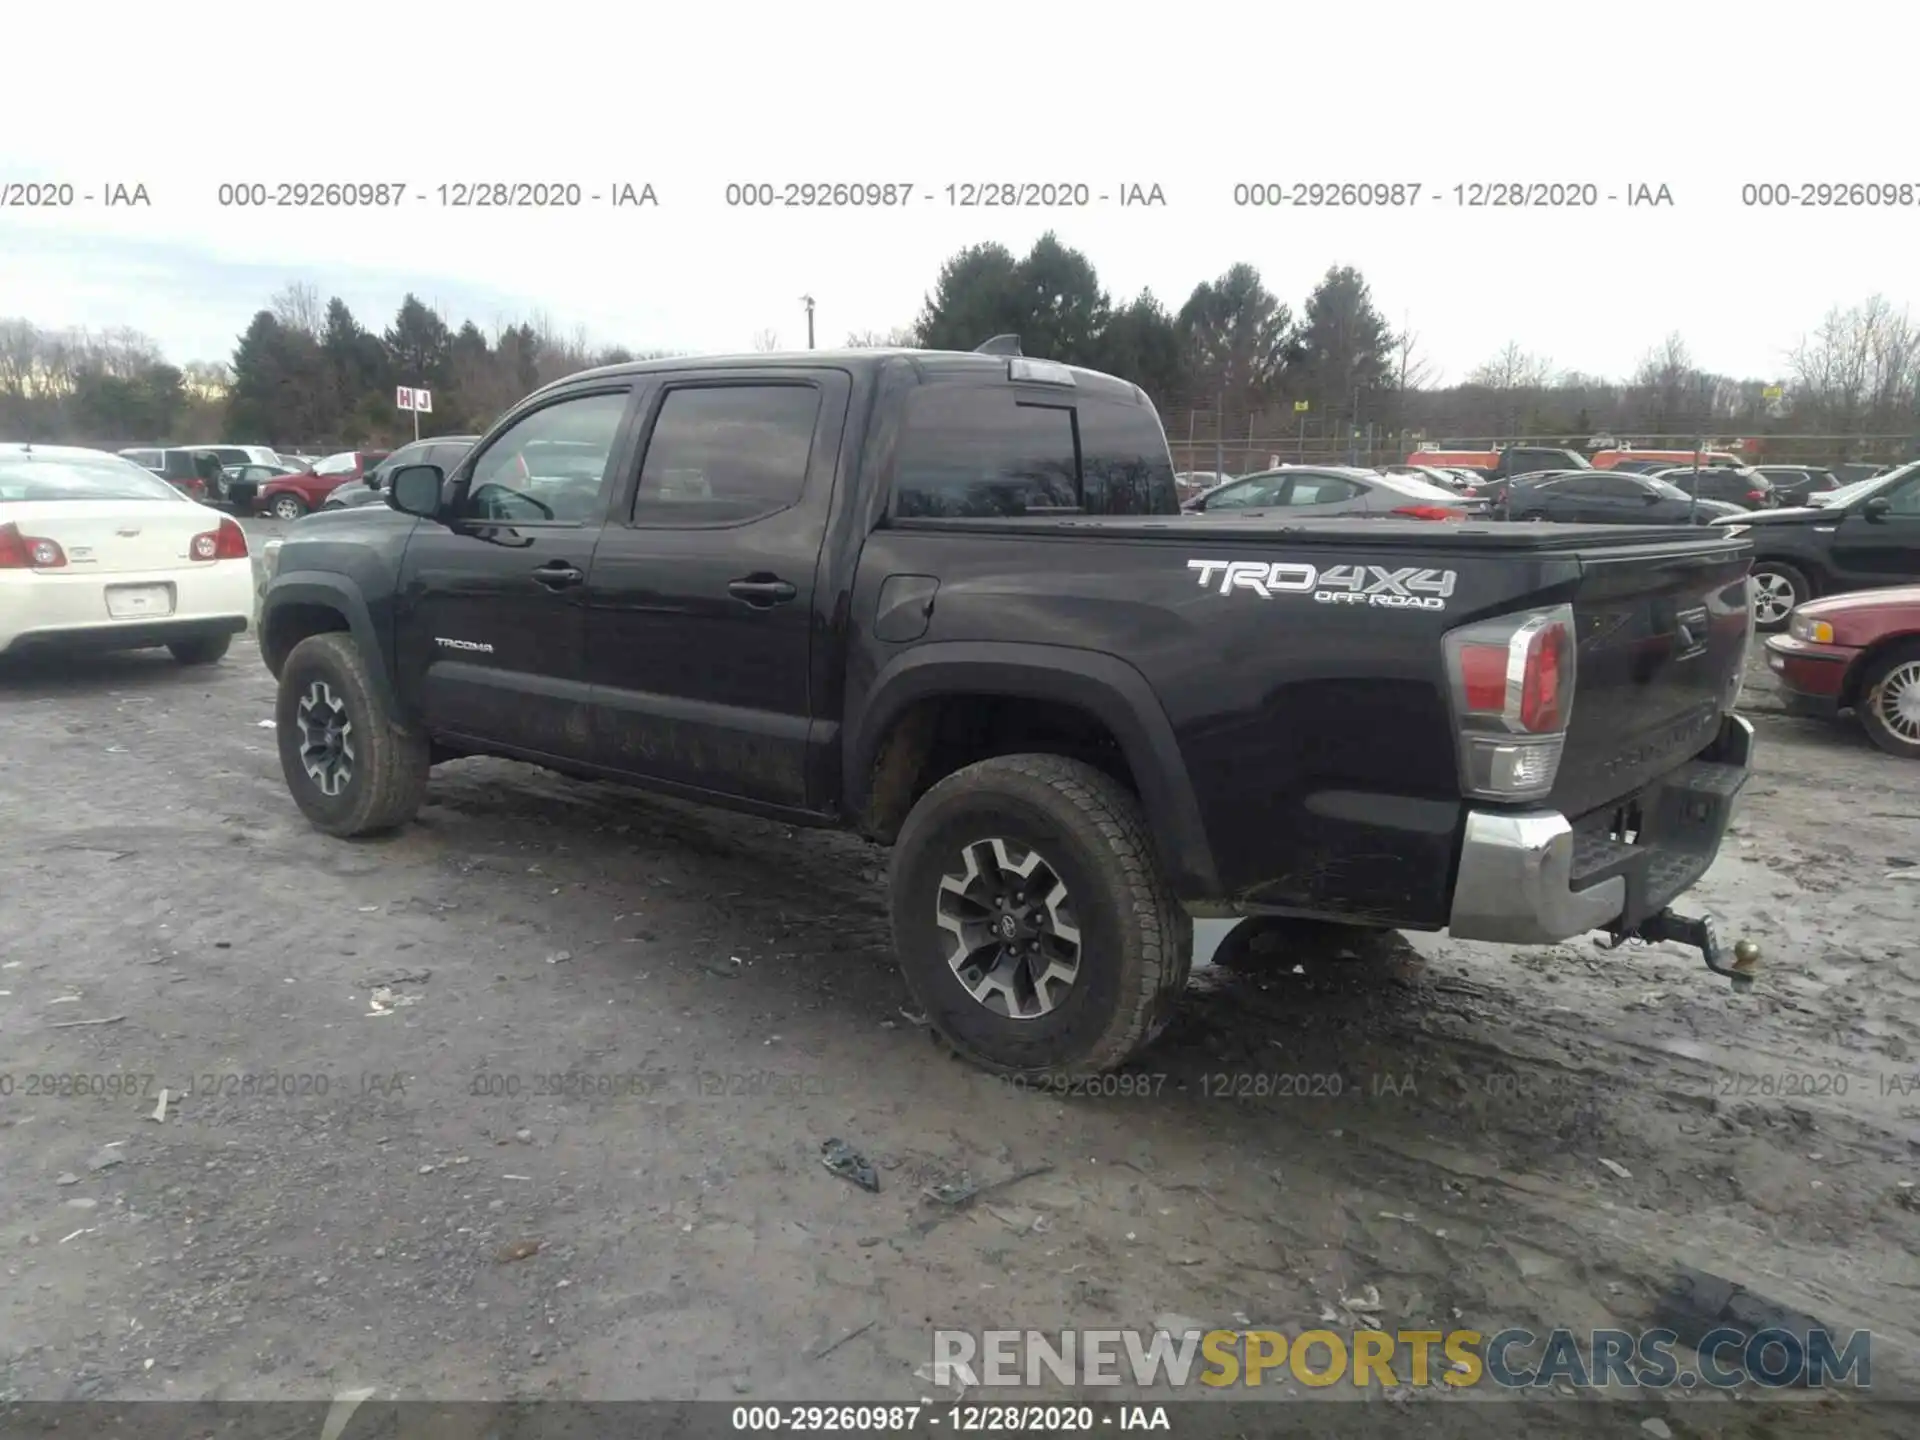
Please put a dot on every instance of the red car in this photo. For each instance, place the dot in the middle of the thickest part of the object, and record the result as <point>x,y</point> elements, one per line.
<point>1858,652</point>
<point>291,496</point>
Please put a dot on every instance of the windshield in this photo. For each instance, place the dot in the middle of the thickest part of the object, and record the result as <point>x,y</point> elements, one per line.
<point>1847,494</point>
<point>102,477</point>
<point>1417,488</point>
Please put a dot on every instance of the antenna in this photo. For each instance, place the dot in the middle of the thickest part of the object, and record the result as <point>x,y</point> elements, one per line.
<point>1000,345</point>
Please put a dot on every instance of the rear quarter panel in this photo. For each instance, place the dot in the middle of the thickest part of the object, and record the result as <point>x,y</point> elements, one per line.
<point>1316,734</point>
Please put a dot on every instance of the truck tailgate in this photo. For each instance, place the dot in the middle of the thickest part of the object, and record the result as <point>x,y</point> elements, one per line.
<point>1663,633</point>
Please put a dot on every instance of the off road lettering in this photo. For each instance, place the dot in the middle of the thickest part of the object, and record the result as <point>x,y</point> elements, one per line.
<point>1410,588</point>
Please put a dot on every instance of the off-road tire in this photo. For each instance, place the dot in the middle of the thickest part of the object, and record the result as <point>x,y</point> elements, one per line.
<point>1795,580</point>
<point>388,781</point>
<point>1867,708</point>
<point>1136,950</point>
<point>204,651</point>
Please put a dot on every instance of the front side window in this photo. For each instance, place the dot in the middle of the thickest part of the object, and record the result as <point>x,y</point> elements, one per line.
<point>550,466</point>
<point>1247,493</point>
<point>981,452</point>
<point>1904,499</point>
<point>727,454</point>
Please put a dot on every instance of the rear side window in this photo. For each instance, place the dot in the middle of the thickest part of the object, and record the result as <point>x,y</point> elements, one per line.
<point>1125,466</point>
<point>727,454</point>
<point>981,452</point>
<point>1320,490</point>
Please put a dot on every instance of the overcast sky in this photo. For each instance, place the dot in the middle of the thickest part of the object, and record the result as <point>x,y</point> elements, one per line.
<point>1194,99</point>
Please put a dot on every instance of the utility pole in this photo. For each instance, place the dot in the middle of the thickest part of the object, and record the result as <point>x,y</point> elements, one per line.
<point>1220,435</point>
<point>1693,500</point>
<point>807,300</point>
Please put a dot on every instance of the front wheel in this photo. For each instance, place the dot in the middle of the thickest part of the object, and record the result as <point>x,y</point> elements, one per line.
<point>350,768</point>
<point>1777,589</point>
<point>1889,706</point>
<point>288,507</point>
<point>1033,924</point>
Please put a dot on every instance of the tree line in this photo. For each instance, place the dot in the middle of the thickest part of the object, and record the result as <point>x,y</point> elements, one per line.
<point>1232,358</point>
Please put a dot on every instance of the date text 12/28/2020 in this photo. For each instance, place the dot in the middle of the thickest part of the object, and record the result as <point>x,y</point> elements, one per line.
<point>1467,195</point>
<point>452,195</point>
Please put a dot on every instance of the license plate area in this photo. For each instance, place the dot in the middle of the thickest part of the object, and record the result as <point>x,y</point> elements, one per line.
<point>139,602</point>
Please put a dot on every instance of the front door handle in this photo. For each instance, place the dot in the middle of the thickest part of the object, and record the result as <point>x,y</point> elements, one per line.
<point>761,591</point>
<point>558,575</point>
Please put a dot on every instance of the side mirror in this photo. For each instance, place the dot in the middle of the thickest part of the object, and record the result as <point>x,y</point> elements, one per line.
<point>415,490</point>
<point>1877,509</point>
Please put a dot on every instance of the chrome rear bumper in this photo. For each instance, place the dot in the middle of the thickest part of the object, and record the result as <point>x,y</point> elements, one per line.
<point>1529,877</point>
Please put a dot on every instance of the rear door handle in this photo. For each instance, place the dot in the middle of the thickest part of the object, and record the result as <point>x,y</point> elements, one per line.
<point>558,575</point>
<point>761,591</point>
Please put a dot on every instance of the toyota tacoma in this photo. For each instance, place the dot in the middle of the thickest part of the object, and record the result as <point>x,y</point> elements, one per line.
<point>948,600</point>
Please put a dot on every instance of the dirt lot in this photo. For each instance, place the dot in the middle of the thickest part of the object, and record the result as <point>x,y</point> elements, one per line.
<point>530,1098</point>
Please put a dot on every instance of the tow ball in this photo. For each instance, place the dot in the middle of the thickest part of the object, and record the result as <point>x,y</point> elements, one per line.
<point>1704,936</point>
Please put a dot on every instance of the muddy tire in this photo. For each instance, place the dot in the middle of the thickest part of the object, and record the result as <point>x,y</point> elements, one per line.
<point>1889,703</point>
<point>349,768</point>
<point>1032,921</point>
<point>204,651</point>
<point>1778,590</point>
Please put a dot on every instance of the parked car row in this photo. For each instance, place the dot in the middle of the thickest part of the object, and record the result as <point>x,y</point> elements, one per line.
<point>254,479</point>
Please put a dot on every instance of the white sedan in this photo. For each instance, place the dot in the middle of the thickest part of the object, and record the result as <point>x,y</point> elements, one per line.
<point>96,553</point>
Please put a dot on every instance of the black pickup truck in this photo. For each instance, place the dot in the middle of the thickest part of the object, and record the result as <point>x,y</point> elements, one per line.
<point>947,600</point>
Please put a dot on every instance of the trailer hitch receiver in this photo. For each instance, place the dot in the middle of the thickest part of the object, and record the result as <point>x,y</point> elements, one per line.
<point>1704,936</point>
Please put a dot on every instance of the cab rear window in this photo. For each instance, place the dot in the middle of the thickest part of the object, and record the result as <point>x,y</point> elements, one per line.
<point>975,452</point>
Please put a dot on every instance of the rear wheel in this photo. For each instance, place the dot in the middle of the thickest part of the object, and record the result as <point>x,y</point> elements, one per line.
<point>1777,589</point>
<point>1889,705</point>
<point>203,651</point>
<point>288,507</point>
<point>349,767</point>
<point>1031,918</point>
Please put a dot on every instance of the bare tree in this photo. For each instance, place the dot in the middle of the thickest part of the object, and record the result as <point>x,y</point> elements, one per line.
<point>1513,369</point>
<point>1412,369</point>
<point>900,337</point>
<point>766,341</point>
<point>298,306</point>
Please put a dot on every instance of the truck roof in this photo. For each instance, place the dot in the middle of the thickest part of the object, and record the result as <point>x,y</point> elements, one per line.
<point>928,364</point>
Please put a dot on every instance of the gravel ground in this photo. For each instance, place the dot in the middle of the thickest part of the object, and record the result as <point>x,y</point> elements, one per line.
<point>529,1099</point>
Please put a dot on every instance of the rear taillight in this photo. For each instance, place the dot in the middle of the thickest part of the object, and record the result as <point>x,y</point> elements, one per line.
<point>28,552</point>
<point>1512,680</point>
<point>1430,512</point>
<point>1756,496</point>
<point>229,542</point>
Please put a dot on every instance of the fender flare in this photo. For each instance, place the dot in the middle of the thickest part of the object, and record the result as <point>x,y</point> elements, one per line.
<point>335,592</point>
<point>1105,687</point>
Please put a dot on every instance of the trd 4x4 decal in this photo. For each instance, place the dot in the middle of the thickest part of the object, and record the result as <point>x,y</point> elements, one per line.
<point>1412,588</point>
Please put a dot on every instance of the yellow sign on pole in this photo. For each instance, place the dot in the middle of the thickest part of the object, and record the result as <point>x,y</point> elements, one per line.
<point>1299,407</point>
<point>1773,392</point>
